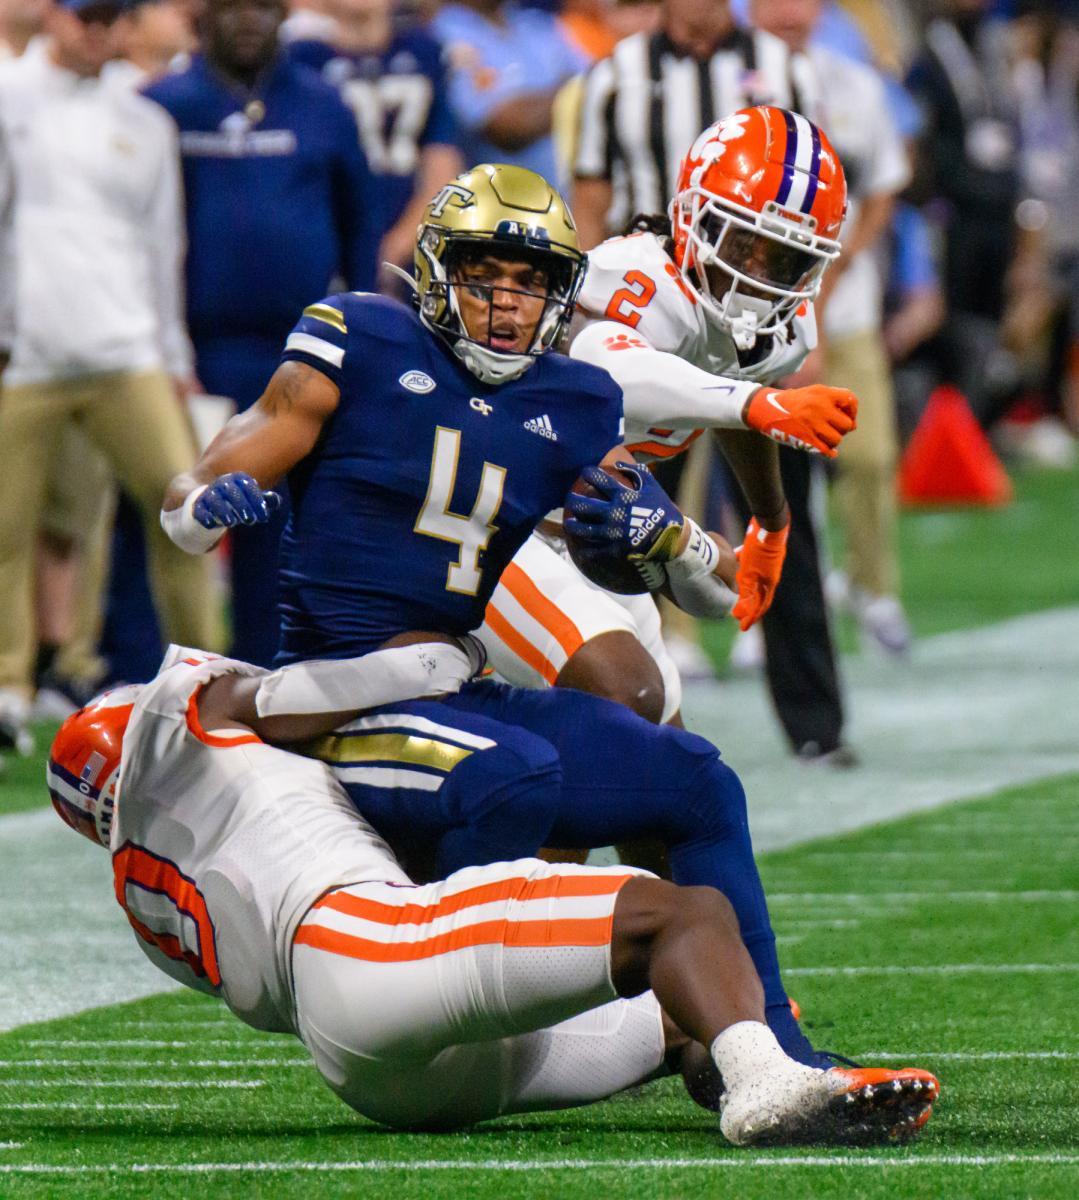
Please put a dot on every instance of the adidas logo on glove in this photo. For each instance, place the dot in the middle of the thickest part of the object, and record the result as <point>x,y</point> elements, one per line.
<point>542,426</point>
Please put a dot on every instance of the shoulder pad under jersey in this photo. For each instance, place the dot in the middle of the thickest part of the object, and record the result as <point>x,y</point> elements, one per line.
<point>633,280</point>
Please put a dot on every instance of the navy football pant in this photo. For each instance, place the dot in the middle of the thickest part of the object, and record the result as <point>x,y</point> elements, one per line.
<point>495,773</point>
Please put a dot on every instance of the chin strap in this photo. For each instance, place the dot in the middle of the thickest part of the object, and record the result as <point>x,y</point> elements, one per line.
<point>744,329</point>
<point>402,274</point>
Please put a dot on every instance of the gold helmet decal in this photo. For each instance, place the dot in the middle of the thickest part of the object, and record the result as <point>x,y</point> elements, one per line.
<point>513,211</point>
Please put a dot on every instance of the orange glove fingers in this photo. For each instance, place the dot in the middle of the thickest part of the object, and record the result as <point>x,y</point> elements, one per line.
<point>760,566</point>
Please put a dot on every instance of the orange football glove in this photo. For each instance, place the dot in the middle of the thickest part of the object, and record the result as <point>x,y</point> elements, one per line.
<point>812,418</point>
<point>760,565</point>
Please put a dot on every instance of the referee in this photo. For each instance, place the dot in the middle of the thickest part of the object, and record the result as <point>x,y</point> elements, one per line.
<point>643,107</point>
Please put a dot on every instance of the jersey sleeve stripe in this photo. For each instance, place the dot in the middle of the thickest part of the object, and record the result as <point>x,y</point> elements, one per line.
<point>328,314</point>
<point>306,343</point>
<point>537,605</point>
<point>663,450</point>
<point>220,740</point>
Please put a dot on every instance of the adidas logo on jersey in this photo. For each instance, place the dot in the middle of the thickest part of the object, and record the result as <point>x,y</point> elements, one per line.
<point>542,426</point>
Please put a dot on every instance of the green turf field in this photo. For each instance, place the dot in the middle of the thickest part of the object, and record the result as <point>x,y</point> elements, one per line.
<point>963,568</point>
<point>949,940</point>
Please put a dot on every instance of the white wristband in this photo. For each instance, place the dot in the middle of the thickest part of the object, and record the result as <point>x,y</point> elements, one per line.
<point>185,531</point>
<point>381,677</point>
<point>694,586</point>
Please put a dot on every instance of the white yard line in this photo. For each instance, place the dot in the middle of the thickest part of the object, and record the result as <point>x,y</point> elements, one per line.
<point>557,1164</point>
<point>80,1106</point>
<point>1035,897</point>
<point>941,969</point>
<point>7,1064</point>
<point>136,1083</point>
<point>143,1043</point>
<point>921,745</point>
<point>967,1055</point>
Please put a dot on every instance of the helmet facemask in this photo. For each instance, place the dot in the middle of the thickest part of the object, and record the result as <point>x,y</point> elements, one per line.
<point>751,271</point>
<point>441,307</point>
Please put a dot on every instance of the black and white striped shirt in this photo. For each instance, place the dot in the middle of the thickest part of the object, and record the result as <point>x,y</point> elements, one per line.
<point>645,105</point>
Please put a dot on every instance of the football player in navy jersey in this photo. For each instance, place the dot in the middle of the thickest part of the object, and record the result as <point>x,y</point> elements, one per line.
<point>391,74</point>
<point>421,448</point>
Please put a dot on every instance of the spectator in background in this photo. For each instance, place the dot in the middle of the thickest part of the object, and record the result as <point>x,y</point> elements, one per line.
<point>914,312</point>
<point>394,81</point>
<point>156,35</point>
<point>20,21</point>
<point>967,163</point>
<point>90,315</point>
<point>1047,79</point>
<point>308,21</point>
<point>279,203</point>
<point>851,107</point>
<point>506,66</point>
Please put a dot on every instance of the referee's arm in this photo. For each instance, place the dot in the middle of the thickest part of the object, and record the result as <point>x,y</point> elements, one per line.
<point>593,191</point>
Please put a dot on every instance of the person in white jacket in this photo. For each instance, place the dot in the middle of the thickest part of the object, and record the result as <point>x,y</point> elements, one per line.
<point>91,325</point>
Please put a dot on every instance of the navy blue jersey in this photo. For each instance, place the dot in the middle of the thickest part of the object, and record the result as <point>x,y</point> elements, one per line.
<point>398,96</point>
<point>279,198</point>
<point>425,481</point>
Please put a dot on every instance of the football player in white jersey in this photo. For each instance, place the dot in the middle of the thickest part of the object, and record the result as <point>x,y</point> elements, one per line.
<point>694,322</point>
<point>245,872</point>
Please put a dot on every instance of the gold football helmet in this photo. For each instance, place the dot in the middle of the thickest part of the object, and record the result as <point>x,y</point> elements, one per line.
<point>506,210</point>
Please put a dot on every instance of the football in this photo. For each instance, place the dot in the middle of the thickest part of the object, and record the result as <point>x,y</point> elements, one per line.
<point>615,574</point>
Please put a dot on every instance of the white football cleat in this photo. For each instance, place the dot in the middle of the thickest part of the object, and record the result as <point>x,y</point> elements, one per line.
<point>849,1106</point>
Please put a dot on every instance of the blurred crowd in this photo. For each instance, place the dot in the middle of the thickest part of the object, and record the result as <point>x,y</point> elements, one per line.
<point>179,178</point>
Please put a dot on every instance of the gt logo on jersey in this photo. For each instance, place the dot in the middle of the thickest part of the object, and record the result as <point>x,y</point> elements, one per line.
<point>461,197</point>
<point>480,406</point>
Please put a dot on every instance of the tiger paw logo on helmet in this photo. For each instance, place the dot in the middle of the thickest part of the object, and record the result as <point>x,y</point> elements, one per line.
<point>756,216</point>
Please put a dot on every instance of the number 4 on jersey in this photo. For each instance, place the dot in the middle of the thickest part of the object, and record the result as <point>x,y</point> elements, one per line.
<point>471,533</point>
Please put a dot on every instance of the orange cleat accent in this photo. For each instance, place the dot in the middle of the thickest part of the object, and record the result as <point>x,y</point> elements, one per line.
<point>796,1009</point>
<point>874,1104</point>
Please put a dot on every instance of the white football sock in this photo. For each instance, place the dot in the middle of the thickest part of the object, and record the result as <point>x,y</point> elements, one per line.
<point>745,1051</point>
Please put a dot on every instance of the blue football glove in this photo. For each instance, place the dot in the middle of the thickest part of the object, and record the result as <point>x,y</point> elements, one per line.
<point>234,499</point>
<point>638,522</point>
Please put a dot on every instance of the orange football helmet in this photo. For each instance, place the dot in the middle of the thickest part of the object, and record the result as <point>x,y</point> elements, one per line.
<point>756,216</point>
<point>84,763</point>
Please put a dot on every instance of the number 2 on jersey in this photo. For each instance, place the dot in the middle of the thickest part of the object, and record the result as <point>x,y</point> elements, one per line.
<point>471,533</point>
<point>638,294</point>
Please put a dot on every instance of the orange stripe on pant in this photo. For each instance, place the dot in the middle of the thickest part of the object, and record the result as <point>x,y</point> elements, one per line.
<point>559,886</point>
<point>520,646</point>
<point>592,931</point>
<point>545,611</point>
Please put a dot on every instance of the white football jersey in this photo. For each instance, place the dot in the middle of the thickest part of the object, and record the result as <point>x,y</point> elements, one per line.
<point>633,281</point>
<point>221,843</point>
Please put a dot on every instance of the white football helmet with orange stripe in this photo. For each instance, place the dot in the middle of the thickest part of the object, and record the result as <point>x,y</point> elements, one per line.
<point>756,217</point>
<point>84,763</point>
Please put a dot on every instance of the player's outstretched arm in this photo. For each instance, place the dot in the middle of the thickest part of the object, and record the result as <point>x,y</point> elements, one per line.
<point>254,450</point>
<point>662,389</point>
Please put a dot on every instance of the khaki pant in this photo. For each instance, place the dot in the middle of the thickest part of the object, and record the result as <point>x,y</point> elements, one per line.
<point>134,421</point>
<point>864,489</point>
